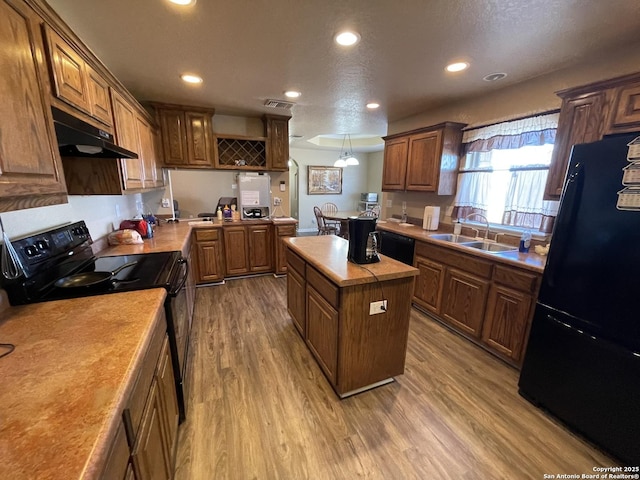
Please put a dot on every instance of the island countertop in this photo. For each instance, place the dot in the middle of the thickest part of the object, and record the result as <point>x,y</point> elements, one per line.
<point>66,382</point>
<point>328,254</point>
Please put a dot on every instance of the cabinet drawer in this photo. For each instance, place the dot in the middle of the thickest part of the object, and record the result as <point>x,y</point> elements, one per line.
<point>468,263</point>
<point>516,279</point>
<point>138,398</point>
<point>286,230</point>
<point>296,262</point>
<point>324,287</point>
<point>207,235</point>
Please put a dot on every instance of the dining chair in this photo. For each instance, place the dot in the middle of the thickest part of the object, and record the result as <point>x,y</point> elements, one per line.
<point>323,228</point>
<point>370,213</point>
<point>329,207</point>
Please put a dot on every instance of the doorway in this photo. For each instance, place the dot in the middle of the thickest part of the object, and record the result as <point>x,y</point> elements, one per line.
<point>294,188</point>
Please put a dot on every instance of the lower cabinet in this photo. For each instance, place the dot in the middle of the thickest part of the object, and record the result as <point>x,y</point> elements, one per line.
<point>209,255</point>
<point>322,332</point>
<point>282,232</point>
<point>260,248</point>
<point>236,250</point>
<point>296,294</point>
<point>488,302</point>
<point>145,442</point>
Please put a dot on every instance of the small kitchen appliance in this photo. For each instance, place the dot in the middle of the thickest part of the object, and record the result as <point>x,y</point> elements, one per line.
<point>59,264</point>
<point>254,195</point>
<point>363,241</point>
<point>431,218</point>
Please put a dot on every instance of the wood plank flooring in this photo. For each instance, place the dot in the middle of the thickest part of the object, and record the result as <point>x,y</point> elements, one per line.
<point>260,408</point>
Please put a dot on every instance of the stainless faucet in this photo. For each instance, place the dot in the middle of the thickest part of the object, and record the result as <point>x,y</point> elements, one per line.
<point>486,221</point>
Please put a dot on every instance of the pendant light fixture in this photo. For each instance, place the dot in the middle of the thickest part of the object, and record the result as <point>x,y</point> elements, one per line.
<point>346,156</point>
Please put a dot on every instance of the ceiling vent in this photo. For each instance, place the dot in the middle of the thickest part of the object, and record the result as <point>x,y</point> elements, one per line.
<point>278,104</point>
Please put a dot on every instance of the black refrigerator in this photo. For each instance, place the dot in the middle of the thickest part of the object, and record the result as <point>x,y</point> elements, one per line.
<point>582,362</point>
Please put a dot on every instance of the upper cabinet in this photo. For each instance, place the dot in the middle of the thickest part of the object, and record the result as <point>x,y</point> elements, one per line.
<point>423,160</point>
<point>75,82</point>
<point>187,135</point>
<point>277,130</point>
<point>587,114</point>
<point>30,168</point>
<point>127,136</point>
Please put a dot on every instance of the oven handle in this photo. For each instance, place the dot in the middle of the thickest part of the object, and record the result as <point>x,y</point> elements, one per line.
<point>183,280</point>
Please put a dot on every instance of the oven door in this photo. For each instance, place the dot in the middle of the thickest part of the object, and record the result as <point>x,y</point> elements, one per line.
<point>178,328</point>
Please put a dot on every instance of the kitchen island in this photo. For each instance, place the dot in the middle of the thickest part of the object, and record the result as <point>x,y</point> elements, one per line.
<point>353,318</point>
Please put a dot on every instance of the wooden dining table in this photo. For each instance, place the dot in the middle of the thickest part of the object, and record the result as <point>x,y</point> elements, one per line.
<point>342,216</point>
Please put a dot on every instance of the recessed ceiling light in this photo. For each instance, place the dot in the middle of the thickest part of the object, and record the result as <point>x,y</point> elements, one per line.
<point>292,94</point>
<point>347,38</point>
<point>492,77</point>
<point>189,78</point>
<point>457,67</point>
<point>183,2</point>
<point>373,105</point>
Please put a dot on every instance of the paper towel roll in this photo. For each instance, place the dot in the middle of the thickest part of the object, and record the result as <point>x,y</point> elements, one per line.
<point>431,218</point>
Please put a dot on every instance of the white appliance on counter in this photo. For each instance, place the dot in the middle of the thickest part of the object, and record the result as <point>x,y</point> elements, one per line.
<point>254,195</point>
<point>431,218</point>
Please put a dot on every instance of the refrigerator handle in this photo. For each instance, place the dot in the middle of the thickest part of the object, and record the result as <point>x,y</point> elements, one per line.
<point>564,224</point>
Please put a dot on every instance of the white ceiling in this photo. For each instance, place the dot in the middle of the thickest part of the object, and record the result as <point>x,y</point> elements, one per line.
<point>248,51</point>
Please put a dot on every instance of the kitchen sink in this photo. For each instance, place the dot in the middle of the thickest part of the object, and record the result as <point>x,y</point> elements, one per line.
<point>448,237</point>
<point>490,246</point>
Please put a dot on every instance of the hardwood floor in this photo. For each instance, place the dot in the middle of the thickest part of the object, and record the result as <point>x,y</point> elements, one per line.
<point>260,408</point>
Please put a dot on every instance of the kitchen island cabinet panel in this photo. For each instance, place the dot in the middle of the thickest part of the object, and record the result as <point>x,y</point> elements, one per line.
<point>356,350</point>
<point>30,166</point>
<point>296,300</point>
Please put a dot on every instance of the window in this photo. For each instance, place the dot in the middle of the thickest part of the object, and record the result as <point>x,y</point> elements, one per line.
<point>504,172</point>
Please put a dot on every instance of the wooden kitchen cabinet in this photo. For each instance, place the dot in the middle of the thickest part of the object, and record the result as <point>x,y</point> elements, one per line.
<point>277,133</point>
<point>296,292</point>
<point>127,137</point>
<point>260,238</point>
<point>186,135</point>
<point>429,284</point>
<point>148,153</point>
<point>31,174</point>
<point>282,232</point>
<point>423,160</point>
<point>236,250</point>
<point>464,301</point>
<point>75,82</point>
<point>589,112</point>
<point>509,310</point>
<point>209,255</point>
<point>168,400</point>
<point>322,332</point>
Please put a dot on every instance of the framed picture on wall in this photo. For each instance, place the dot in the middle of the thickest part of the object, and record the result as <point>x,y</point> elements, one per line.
<point>324,180</point>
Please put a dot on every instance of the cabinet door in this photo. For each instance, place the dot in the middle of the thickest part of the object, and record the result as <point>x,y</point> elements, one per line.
<point>117,463</point>
<point>150,454</point>
<point>465,297</point>
<point>209,255</point>
<point>626,112</point>
<point>147,153</point>
<point>282,232</point>
<point>505,324</point>
<point>127,137</point>
<point>29,161</point>
<point>322,333</point>
<point>580,122</point>
<point>429,283</point>
<point>168,399</point>
<point>174,135</point>
<point>394,170</point>
<point>423,165</point>
<point>235,250</point>
<point>260,248</point>
<point>277,142</point>
<point>199,138</point>
<point>296,300</point>
<point>69,73</point>
<point>99,97</point>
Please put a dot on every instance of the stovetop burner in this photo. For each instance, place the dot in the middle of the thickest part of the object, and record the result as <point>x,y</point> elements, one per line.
<point>65,251</point>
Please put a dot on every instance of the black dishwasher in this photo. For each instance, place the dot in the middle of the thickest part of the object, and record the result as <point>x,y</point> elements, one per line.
<point>397,246</point>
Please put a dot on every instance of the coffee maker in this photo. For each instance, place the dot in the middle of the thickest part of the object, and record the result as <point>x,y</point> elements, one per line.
<point>363,241</point>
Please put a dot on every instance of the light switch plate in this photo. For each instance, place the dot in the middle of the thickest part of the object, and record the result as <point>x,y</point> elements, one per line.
<point>165,203</point>
<point>377,307</point>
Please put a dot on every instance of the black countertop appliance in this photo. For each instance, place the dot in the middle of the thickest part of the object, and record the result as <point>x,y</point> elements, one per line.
<point>363,243</point>
<point>582,362</point>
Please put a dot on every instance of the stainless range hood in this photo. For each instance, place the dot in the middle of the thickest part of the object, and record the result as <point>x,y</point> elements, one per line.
<point>77,138</point>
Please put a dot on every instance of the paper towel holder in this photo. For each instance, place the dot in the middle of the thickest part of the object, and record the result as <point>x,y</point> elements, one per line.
<point>431,218</point>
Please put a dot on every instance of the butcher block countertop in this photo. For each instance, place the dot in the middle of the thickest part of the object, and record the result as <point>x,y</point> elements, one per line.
<point>67,380</point>
<point>328,253</point>
<point>530,261</point>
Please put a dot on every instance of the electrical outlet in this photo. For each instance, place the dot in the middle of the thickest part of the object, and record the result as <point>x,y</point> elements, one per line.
<point>389,203</point>
<point>377,307</point>
<point>165,203</point>
<point>277,201</point>
<point>233,186</point>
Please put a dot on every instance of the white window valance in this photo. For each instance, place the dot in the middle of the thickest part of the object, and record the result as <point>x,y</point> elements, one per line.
<point>515,127</point>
